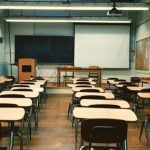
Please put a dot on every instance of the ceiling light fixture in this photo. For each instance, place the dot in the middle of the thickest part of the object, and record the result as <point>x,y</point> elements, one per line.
<point>52,6</point>
<point>71,20</point>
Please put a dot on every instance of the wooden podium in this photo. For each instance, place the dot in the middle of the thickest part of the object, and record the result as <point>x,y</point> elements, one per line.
<point>26,68</point>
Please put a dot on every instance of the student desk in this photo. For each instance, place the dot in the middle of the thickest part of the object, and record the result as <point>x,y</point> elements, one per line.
<point>88,102</point>
<point>76,69</point>
<point>107,95</point>
<point>82,79</point>
<point>144,95</point>
<point>135,89</point>
<point>21,102</point>
<point>34,88</point>
<point>77,89</point>
<point>81,85</point>
<point>102,113</point>
<point>145,81</point>
<point>27,94</point>
<point>11,115</point>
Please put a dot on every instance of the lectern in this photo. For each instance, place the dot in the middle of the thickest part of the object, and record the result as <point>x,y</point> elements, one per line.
<point>26,68</point>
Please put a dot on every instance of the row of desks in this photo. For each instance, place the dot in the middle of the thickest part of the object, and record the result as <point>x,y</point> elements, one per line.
<point>12,115</point>
<point>86,112</point>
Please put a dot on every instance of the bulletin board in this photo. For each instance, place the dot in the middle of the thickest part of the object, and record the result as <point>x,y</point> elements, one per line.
<point>143,54</point>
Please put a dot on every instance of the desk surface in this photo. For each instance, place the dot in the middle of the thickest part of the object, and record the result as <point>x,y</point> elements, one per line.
<point>88,102</point>
<point>113,82</point>
<point>77,89</point>
<point>136,88</point>
<point>27,94</point>
<point>78,82</point>
<point>30,85</point>
<point>11,114</point>
<point>22,102</point>
<point>107,95</point>
<point>36,89</point>
<point>144,95</point>
<point>145,81</point>
<point>74,85</point>
<point>34,82</point>
<point>104,113</point>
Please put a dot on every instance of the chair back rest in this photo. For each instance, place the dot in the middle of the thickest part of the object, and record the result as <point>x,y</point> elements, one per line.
<point>104,130</point>
<point>90,90</point>
<point>20,86</point>
<point>104,106</point>
<point>31,83</point>
<point>22,89</point>
<point>84,85</point>
<point>12,96</point>
<point>92,97</point>
<point>135,80</point>
<point>82,82</point>
<point>8,105</point>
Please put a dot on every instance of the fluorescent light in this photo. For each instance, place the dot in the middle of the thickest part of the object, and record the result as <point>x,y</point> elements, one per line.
<point>55,7</point>
<point>69,20</point>
<point>133,8</point>
<point>80,6</point>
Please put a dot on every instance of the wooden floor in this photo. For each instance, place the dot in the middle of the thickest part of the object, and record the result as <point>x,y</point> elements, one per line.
<point>56,133</point>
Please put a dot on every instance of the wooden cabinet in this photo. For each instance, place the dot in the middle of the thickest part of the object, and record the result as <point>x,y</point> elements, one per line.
<point>26,68</point>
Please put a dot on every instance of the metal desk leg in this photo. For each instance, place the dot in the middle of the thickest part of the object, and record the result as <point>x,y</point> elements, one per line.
<point>11,136</point>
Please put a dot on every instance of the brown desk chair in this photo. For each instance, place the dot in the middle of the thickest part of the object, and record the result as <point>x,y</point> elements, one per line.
<point>135,80</point>
<point>104,131</point>
<point>94,75</point>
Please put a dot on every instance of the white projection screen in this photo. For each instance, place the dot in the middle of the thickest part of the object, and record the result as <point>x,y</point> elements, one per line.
<point>106,46</point>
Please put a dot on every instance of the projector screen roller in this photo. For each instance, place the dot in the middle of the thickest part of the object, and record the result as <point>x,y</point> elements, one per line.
<point>106,46</point>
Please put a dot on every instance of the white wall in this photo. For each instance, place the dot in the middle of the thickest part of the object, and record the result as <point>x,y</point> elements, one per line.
<point>49,29</point>
<point>35,29</point>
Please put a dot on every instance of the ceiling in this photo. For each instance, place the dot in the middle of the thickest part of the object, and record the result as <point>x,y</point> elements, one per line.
<point>69,13</point>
